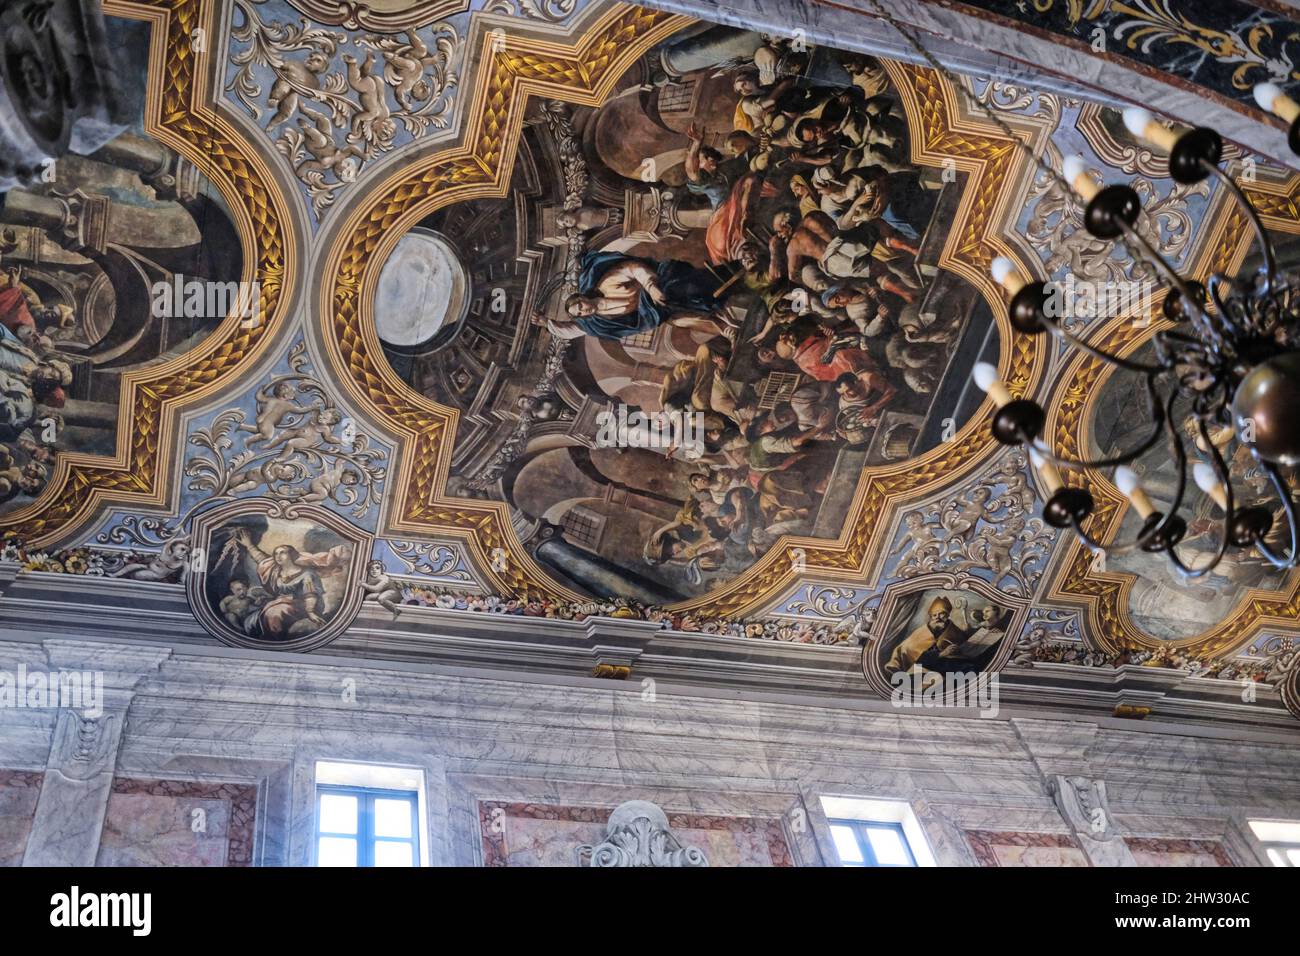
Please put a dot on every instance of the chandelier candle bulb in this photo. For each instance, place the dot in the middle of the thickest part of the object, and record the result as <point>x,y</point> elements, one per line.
<point>1208,481</point>
<point>1130,486</point>
<point>1005,274</point>
<point>1076,174</point>
<point>1271,99</point>
<point>986,377</point>
<point>1145,127</point>
<point>1047,471</point>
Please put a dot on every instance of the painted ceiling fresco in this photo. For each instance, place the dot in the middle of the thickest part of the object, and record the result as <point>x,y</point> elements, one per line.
<point>466,234</point>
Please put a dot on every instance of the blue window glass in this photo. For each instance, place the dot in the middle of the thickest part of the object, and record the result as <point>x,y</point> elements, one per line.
<point>356,826</point>
<point>867,843</point>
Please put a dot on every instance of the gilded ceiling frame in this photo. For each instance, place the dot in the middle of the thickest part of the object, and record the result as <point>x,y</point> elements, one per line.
<point>179,114</point>
<point>585,73</point>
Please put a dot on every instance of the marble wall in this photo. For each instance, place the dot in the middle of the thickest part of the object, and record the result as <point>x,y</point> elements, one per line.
<point>206,756</point>
<point>536,834</point>
<point>178,823</point>
<point>18,792</point>
<point>994,848</point>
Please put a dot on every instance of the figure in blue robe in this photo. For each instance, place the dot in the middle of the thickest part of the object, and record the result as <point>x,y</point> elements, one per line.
<point>685,288</point>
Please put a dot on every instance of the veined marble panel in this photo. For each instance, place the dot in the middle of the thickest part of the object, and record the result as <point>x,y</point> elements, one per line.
<point>993,848</point>
<point>1178,852</point>
<point>178,823</point>
<point>18,792</point>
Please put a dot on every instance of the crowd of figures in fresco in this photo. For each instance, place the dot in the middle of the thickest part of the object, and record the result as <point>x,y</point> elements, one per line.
<point>83,248</point>
<point>792,311</point>
<point>33,375</point>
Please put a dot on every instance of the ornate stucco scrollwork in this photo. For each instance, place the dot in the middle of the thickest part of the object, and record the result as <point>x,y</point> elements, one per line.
<point>1083,804</point>
<point>637,834</point>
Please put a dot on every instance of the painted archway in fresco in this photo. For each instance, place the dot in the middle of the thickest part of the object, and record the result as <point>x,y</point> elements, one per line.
<point>94,365</point>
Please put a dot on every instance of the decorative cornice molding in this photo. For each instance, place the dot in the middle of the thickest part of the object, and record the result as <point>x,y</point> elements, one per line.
<point>153,618</point>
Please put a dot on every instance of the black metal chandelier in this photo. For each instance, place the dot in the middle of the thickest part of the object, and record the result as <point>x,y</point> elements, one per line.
<point>1227,369</point>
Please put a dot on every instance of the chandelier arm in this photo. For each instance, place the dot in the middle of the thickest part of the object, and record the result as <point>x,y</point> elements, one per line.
<point>1154,408</point>
<point>1171,274</point>
<point>1221,472</point>
<point>1213,285</point>
<point>1147,534</point>
<point>1265,247</point>
<point>1095,546</point>
<point>1180,456</point>
<point>1288,506</point>
<point>1173,335</point>
<point>1191,574</point>
<point>1115,462</point>
<point>1113,550</point>
<point>1211,333</point>
<point>1132,366</point>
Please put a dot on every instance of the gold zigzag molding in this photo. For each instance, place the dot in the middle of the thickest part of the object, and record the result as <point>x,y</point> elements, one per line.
<point>585,74</point>
<point>176,114</point>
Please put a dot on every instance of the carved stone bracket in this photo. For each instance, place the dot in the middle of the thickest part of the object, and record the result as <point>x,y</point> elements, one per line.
<point>1082,802</point>
<point>614,662</point>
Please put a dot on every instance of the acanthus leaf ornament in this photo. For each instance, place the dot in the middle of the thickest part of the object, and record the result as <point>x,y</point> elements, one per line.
<point>637,834</point>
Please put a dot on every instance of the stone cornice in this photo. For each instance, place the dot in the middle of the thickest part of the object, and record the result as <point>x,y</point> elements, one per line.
<point>430,645</point>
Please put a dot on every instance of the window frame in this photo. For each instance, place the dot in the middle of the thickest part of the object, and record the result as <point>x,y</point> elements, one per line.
<point>1281,847</point>
<point>584,527</point>
<point>872,810</point>
<point>859,830</point>
<point>365,836</point>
